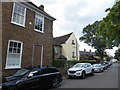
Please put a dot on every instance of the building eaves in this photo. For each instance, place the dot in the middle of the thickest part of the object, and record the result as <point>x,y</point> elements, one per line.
<point>62,39</point>
<point>37,9</point>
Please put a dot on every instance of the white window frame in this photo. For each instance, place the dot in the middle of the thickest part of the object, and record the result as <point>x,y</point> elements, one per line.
<point>14,67</point>
<point>13,22</point>
<point>42,23</point>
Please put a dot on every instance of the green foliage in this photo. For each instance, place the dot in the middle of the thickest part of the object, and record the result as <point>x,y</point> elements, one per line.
<point>58,63</point>
<point>93,39</point>
<point>70,63</point>
<point>67,64</point>
<point>89,61</point>
<point>110,26</point>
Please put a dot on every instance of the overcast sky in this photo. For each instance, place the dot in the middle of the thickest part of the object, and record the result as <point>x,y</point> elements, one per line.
<point>74,15</point>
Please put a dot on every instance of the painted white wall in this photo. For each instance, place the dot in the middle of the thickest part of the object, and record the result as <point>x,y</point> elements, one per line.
<point>68,48</point>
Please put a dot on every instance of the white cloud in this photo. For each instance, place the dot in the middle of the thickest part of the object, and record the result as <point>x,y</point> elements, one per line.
<point>74,15</point>
<point>111,51</point>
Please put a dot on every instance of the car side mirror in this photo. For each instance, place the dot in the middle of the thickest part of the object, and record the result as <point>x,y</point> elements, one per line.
<point>30,75</point>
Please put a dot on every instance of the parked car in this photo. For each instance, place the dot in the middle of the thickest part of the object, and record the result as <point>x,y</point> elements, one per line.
<point>105,66</point>
<point>114,60</point>
<point>109,63</point>
<point>81,70</point>
<point>36,78</point>
<point>98,68</point>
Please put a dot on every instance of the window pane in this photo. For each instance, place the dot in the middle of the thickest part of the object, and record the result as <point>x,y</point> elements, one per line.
<point>10,50</point>
<point>19,45</point>
<point>21,19</point>
<point>11,44</point>
<point>15,17</point>
<point>18,50</point>
<point>16,9</point>
<point>40,29</point>
<point>14,50</point>
<point>15,44</point>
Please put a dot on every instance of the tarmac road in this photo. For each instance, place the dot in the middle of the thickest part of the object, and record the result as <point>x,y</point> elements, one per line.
<point>106,79</point>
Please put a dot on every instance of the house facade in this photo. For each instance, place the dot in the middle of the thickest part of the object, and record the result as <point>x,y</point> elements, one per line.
<point>69,47</point>
<point>87,55</point>
<point>27,36</point>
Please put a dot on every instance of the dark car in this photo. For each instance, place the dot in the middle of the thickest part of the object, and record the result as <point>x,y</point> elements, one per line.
<point>36,78</point>
<point>105,66</point>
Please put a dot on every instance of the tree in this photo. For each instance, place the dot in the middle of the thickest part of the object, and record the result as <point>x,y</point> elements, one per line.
<point>109,28</point>
<point>93,39</point>
<point>117,54</point>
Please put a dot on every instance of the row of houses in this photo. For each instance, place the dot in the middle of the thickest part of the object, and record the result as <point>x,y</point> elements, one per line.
<point>27,38</point>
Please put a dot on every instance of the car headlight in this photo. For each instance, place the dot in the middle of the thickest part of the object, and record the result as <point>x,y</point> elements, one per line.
<point>79,70</point>
<point>0,86</point>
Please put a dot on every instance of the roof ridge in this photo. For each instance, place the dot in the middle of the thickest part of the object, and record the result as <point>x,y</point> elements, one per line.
<point>64,35</point>
<point>62,39</point>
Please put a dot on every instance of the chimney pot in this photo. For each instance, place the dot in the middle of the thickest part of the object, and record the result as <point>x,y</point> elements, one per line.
<point>41,7</point>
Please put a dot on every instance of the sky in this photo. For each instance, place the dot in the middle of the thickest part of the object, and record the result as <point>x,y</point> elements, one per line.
<point>74,15</point>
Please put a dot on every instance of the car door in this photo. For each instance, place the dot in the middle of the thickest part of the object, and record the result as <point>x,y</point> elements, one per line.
<point>29,81</point>
<point>88,68</point>
<point>44,78</point>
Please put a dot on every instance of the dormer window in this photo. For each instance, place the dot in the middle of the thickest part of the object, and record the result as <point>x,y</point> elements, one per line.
<point>39,23</point>
<point>73,42</point>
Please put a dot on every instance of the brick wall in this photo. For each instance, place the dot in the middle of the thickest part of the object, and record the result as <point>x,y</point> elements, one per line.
<point>27,35</point>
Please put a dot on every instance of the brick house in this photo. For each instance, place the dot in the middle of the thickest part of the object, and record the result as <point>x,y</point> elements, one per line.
<point>27,36</point>
<point>87,55</point>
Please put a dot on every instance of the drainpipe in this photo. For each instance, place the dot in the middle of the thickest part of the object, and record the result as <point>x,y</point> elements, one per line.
<point>41,56</point>
<point>76,51</point>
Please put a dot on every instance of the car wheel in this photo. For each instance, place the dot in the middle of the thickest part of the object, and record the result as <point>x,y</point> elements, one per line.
<point>69,77</point>
<point>92,72</point>
<point>12,88</point>
<point>83,75</point>
<point>55,83</point>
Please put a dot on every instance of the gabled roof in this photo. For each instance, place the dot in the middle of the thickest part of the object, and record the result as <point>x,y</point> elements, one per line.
<point>33,6</point>
<point>61,39</point>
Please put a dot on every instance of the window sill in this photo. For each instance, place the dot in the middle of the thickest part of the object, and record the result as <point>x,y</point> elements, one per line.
<point>12,68</point>
<point>38,31</point>
<point>18,24</point>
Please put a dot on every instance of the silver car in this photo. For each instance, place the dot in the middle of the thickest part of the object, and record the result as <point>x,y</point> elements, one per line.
<point>98,67</point>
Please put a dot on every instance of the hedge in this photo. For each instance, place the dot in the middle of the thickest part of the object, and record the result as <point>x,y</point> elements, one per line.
<point>69,63</point>
<point>58,63</point>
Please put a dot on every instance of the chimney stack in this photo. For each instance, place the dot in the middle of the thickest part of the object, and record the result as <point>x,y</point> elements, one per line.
<point>84,50</point>
<point>41,7</point>
<point>90,50</point>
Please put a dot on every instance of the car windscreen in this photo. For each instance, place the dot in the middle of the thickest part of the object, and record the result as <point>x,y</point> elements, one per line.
<point>78,66</point>
<point>21,72</point>
<point>97,65</point>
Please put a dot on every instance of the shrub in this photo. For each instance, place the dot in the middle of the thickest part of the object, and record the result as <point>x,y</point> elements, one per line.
<point>58,63</point>
<point>70,63</point>
<point>88,61</point>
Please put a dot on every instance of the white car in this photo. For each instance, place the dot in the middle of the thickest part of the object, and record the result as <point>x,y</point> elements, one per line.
<point>81,70</point>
